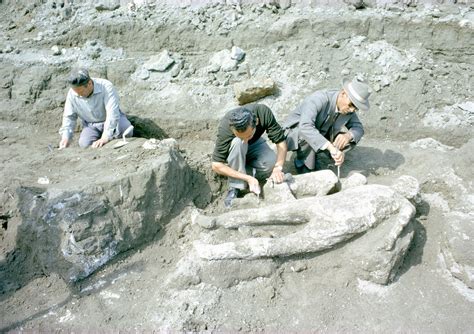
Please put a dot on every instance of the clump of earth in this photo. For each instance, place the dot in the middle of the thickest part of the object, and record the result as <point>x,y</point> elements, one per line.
<point>132,210</point>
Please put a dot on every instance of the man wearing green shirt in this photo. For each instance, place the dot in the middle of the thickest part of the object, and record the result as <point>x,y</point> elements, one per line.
<point>243,155</point>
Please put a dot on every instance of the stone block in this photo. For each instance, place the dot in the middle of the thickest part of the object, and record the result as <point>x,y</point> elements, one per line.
<point>160,62</point>
<point>253,89</point>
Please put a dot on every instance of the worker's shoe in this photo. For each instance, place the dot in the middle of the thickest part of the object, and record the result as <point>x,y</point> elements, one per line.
<point>231,195</point>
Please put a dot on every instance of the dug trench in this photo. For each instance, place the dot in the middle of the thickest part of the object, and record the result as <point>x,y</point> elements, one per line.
<point>130,210</point>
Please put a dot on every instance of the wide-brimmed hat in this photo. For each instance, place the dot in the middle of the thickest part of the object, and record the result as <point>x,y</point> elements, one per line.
<point>358,92</point>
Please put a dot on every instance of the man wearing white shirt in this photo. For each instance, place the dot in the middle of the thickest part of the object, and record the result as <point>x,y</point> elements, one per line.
<point>95,101</point>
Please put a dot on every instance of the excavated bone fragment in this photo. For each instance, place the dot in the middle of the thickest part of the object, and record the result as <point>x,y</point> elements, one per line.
<point>324,223</point>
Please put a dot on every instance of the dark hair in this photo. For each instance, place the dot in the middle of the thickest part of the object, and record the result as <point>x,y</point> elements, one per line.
<point>241,118</point>
<point>78,77</point>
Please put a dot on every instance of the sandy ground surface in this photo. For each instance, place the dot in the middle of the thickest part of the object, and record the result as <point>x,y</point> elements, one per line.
<point>419,62</point>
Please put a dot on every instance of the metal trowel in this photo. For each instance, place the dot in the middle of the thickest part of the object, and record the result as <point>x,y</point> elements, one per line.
<point>124,141</point>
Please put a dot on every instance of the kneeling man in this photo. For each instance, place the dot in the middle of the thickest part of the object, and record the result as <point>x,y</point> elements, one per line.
<point>327,121</point>
<point>95,101</point>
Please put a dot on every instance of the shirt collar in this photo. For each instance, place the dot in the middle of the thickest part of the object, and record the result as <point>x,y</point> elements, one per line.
<point>97,87</point>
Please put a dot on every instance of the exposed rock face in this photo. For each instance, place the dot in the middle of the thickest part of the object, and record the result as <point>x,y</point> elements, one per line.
<point>319,223</point>
<point>75,231</point>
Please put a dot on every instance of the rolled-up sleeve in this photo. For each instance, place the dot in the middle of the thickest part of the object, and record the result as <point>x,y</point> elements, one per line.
<point>112,107</point>
<point>69,118</point>
<point>310,108</point>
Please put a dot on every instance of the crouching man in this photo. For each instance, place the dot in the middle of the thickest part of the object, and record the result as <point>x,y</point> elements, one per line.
<point>243,155</point>
<point>318,124</point>
<point>95,101</point>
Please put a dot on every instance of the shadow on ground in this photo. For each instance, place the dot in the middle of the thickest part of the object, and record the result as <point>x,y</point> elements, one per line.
<point>361,159</point>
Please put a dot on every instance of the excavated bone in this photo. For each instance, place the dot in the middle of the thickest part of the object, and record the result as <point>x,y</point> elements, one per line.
<point>324,221</point>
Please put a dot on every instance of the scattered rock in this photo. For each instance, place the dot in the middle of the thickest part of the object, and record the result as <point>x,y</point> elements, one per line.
<point>222,60</point>
<point>358,4</point>
<point>29,27</point>
<point>8,49</point>
<point>178,66</point>
<point>160,62</point>
<point>153,144</point>
<point>298,267</point>
<point>43,180</point>
<point>56,50</point>
<point>283,4</point>
<point>237,53</point>
<point>345,72</point>
<point>66,12</point>
<point>107,5</point>
<point>142,73</point>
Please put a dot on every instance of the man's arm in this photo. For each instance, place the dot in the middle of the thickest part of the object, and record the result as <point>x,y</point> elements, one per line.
<point>277,135</point>
<point>112,107</point>
<point>308,131</point>
<point>354,133</point>
<point>112,116</point>
<point>277,173</point>
<point>356,129</point>
<point>69,122</point>
<point>223,169</point>
<point>310,108</point>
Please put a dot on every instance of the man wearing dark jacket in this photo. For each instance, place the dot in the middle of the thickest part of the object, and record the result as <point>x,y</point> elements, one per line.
<point>243,155</point>
<point>327,120</point>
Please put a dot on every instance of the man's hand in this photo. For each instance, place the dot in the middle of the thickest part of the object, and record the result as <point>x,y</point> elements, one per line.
<point>342,140</point>
<point>99,143</point>
<point>277,174</point>
<point>63,143</point>
<point>254,186</point>
<point>338,157</point>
